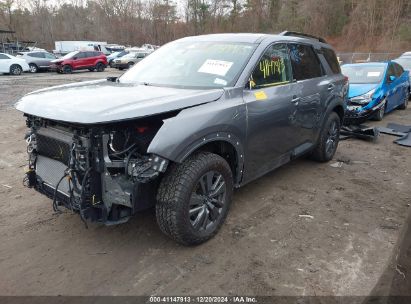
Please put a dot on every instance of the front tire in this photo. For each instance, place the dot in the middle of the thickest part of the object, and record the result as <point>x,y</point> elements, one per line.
<point>380,114</point>
<point>193,198</point>
<point>15,70</point>
<point>67,69</point>
<point>100,67</point>
<point>329,138</point>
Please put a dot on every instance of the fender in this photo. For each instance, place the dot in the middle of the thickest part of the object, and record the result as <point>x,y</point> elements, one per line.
<point>221,120</point>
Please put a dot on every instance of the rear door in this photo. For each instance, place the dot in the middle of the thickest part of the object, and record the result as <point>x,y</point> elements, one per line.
<point>271,131</point>
<point>5,63</point>
<point>393,96</point>
<point>313,88</point>
<point>402,82</point>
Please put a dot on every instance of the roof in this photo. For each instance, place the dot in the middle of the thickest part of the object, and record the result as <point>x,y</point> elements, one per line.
<point>229,37</point>
<point>257,38</point>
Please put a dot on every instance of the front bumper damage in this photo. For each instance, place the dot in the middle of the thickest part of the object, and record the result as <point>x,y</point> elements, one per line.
<point>77,169</point>
<point>358,114</point>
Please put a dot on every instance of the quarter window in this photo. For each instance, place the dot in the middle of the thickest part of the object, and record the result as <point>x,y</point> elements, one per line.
<point>331,60</point>
<point>273,68</point>
<point>305,62</point>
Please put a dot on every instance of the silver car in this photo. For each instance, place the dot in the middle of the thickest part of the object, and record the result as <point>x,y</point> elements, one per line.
<point>37,60</point>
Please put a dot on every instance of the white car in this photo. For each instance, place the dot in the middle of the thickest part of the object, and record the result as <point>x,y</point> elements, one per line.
<point>12,65</point>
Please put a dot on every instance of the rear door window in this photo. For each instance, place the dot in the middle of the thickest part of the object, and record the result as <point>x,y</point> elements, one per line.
<point>273,68</point>
<point>36,55</point>
<point>331,60</point>
<point>398,70</point>
<point>305,62</point>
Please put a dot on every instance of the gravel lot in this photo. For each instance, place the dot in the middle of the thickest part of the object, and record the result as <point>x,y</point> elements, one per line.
<point>264,248</point>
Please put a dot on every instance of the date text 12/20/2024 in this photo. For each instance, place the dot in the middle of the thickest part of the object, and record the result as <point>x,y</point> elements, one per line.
<point>199,299</point>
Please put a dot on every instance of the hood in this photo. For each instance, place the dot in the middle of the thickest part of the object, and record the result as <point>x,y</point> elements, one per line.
<point>103,101</point>
<point>357,89</point>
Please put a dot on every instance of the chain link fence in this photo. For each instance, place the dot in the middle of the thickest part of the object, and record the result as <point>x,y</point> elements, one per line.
<point>344,58</point>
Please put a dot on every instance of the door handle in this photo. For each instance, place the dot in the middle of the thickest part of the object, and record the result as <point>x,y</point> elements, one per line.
<point>295,99</point>
<point>330,87</point>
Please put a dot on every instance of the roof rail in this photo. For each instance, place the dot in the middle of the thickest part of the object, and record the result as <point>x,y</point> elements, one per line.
<point>297,34</point>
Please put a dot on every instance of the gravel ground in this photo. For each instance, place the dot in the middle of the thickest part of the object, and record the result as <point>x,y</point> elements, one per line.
<point>264,248</point>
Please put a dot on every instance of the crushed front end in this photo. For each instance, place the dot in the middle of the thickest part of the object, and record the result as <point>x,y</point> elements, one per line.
<point>101,172</point>
<point>362,108</point>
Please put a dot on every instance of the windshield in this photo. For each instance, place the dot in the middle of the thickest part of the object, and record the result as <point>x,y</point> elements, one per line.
<point>363,73</point>
<point>69,55</point>
<point>192,65</point>
<point>404,62</point>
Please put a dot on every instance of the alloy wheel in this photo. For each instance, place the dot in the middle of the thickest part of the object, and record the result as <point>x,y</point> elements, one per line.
<point>332,138</point>
<point>207,201</point>
<point>33,68</point>
<point>16,70</point>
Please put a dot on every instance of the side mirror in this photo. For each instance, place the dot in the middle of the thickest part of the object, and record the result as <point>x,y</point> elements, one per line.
<point>392,78</point>
<point>75,58</point>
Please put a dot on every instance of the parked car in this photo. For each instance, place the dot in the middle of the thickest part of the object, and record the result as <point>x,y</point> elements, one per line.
<point>37,60</point>
<point>128,60</point>
<point>375,88</point>
<point>12,65</point>
<point>115,55</point>
<point>405,62</point>
<point>90,60</point>
<point>198,117</point>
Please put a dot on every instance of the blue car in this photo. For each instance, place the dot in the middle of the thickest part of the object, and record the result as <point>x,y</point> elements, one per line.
<point>375,88</point>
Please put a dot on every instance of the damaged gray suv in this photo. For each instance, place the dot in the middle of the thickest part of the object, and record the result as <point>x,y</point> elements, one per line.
<point>184,127</point>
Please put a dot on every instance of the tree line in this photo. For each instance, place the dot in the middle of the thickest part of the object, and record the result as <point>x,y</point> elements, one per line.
<point>350,25</point>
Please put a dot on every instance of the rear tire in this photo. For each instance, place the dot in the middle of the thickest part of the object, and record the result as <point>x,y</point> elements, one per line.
<point>329,138</point>
<point>67,69</point>
<point>16,70</point>
<point>193,198</point>
<point>33,68</point>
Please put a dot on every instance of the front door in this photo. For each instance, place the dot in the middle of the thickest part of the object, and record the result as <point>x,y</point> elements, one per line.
<point>271,106</point>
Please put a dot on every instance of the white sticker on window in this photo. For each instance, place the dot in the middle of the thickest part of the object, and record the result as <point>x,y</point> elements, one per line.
<point>220,81</point>
<point>215,67</point>
<point>373,74</point>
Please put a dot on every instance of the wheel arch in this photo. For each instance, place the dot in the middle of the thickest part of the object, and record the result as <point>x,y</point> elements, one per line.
<point>223,144</point>
<point>15,64</point>
<point>339,109</point>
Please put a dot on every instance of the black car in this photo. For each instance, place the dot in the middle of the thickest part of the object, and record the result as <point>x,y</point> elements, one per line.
<point>179,131</point>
